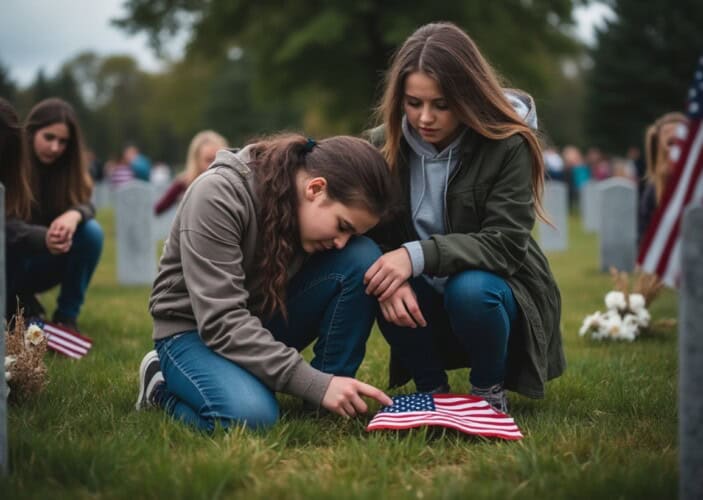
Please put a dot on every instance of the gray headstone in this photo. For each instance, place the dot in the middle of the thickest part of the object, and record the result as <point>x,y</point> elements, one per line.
<point>617,227</point>
<point>136,246</point>
<point>556,204</point>
<point>3,384</point>
<point>691,356</point>
<point>102,196</point>
<point>590,206</point>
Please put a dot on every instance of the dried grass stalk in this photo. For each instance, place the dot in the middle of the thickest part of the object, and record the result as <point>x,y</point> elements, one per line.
<point>29,370</point>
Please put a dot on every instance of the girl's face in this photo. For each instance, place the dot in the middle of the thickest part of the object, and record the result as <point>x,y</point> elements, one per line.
<point>206,155</point>
<point>428,112</point>
<point>667,140</point>
<point>325,224</point>
<point>50,142</point>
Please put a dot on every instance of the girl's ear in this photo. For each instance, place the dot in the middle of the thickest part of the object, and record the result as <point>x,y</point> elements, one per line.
<point>315,187</point>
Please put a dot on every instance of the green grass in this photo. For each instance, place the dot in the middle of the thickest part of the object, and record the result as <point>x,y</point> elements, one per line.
<point>607,428</point>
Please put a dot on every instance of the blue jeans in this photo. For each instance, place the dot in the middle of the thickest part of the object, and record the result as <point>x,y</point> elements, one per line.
<point>72,270</point>
<point>477,309</point>
<point>326,302</point>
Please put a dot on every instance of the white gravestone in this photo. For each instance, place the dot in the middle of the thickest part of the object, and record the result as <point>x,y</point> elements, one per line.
<point>589,206</point>
<point>556,204</point>
<point>617,227</point>
<point>136,246</point>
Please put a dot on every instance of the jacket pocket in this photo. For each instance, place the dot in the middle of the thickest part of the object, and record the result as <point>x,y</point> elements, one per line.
<point>466,208</point>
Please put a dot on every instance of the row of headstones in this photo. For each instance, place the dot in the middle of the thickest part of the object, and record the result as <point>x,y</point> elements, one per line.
<point>137,232</point>
<point>608,207</point>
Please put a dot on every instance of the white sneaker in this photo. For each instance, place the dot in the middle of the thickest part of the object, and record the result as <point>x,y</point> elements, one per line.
<point>150,377</point>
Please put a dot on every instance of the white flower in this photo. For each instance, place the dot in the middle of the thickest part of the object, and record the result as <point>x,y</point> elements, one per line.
<point>628,331</point>
<point>8,376</point>
<point>637,302</point>
<point>34,335</point>
<point>630,324</point>
<point>615,300</point>
<point>643,317</point>
<point>611,325</point>
<point>9,361</point>
<point>590,323</point>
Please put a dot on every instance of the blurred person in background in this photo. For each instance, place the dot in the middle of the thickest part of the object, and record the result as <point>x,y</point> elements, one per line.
<point>63,240</point>
<point>660,141</point>
<point>201,153</point>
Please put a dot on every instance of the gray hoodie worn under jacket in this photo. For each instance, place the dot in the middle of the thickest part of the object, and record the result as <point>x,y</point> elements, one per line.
<point>430,171</point>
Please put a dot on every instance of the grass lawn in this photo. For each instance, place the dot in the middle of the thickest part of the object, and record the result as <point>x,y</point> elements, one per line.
<point>607,428</point>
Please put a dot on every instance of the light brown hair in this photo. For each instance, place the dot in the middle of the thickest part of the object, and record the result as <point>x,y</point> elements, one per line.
<point>654,155</point>
<point>70,181</point>
<point>196,144</point>
<point>472,89</point>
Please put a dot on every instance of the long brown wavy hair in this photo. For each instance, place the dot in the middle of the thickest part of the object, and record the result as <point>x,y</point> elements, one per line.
<point>655,156</point>
<point>14,169</point>
<point>68,177</point>
<point>356,174</point>
<point>471,87</point>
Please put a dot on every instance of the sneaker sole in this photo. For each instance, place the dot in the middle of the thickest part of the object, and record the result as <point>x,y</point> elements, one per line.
<point>142,402</point>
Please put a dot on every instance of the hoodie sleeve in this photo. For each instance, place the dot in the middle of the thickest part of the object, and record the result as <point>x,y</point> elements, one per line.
<point>26,238</point>
<point>214,217</point>
<point>501,244</point>
<point>524,105</point>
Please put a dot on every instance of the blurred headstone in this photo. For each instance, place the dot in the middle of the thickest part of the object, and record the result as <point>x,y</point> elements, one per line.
<point>618,224</point>
<point>589,206</point>
<point>691,356</point>
<point>3,383</point>
<point>101,195</point>
<point>136,246</point>
<point>556,204</point>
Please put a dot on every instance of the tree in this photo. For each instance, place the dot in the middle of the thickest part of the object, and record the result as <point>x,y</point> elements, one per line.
<point>643,64</point>
<point>338,50</point>
<point>7,86</point>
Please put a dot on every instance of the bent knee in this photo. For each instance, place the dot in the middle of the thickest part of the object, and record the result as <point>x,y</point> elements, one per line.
<point>90,234</point>
<point>474,288</point>
<point>362,252</point>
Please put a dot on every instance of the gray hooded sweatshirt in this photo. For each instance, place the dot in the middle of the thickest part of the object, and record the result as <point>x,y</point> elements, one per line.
<point>430,171</point>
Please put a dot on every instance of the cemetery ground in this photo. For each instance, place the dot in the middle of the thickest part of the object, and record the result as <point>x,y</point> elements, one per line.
<point>607,428</point>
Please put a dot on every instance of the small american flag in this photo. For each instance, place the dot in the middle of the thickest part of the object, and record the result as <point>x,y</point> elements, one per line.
<point>468,414</point>
<point>63,340</point>
<point>660,250</point>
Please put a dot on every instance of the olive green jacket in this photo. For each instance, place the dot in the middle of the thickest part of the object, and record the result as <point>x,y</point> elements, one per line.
<point>489,217</point>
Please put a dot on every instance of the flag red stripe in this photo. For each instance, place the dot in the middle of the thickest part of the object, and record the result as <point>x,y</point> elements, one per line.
<point>65,332</point>
<point>689,187</point>
<point>433,417</point>
<point>60,343</point>
<point>427,420</point>
<point>64,351</point>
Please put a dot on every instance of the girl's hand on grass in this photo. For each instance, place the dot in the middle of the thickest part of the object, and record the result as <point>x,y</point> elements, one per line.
<point>402,308</point>
<point>343,396</point>
<point>390,271</point>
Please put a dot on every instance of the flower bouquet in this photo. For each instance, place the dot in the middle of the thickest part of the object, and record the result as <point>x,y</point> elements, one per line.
<point>25,371</point>
<point>626,312</point>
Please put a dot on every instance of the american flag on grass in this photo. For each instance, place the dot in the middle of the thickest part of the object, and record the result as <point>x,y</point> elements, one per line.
<point>468,414</point>
<point>659,253</point>
<point>63,340</point>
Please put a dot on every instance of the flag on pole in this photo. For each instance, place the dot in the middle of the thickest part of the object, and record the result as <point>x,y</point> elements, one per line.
<point>660,250</point>
<point>64,340</point>
<point>467,414</point>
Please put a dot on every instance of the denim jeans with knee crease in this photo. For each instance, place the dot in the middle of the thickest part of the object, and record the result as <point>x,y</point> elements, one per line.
<point>478,308</point>
<point>72,270</point>
<point>326,302</point>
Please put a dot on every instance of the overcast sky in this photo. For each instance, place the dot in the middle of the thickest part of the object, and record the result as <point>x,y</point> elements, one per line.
<point>45,33</point>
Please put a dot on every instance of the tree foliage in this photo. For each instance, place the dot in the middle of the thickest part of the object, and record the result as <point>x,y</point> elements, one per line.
<point>338,50</point>
<point>644,62</point>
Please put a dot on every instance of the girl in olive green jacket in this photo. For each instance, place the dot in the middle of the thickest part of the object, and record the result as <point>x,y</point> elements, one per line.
<point>462,282</point>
